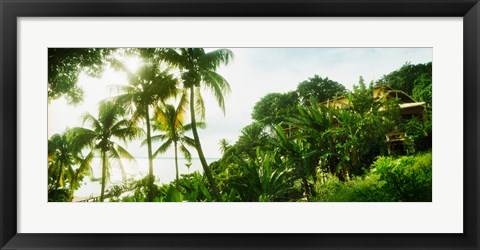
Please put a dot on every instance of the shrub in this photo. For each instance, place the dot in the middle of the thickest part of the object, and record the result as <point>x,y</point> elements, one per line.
<point>358,189</point>
<point>194,187</point>
<point>59,195</point>
<point>408,178</point>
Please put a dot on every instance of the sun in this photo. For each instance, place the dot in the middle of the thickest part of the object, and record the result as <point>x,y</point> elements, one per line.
<point>133,63</point>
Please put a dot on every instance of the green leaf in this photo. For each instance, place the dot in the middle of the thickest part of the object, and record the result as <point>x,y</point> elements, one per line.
<point>173,195</point>
<point>128,199</point>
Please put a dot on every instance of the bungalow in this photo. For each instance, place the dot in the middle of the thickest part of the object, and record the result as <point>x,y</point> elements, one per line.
<point>409,108</point>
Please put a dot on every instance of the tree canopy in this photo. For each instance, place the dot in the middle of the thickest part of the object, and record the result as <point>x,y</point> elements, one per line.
<point>413,79</point>
<point>64,67</point>
<point>274,108</point>
<point>320,89</point>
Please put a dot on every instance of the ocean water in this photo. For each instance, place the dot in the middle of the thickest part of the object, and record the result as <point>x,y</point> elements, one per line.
<point>163,169</point>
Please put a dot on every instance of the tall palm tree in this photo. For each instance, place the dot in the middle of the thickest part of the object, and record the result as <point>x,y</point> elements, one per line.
<point>62,159</point>
<point>109,124</point>
<point>199,68</point>
<point>170,120</point>
<point>147,87</point>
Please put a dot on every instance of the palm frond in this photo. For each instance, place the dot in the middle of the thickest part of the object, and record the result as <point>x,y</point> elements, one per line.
<point>71,174</point>
<point>212,60</point>
<point>199,104</point>
<point>108,114</point>
<point>186,153</point>
<point>124,130</point>
<point>218,85</point>
<point>182,106</point>
<point>124,153</point>
<point>201,125</point>
<point>119,66</point>
<point>163,86</point>
<point>114,155</point>
<point>189,141</point>
<point>85,166</point>
<point>82,137</point>
<point>87,118</point>
<point>132,102</point>
<point>173,57</point>
<point>161,114</point>
<point>163,148</point>
<point>166,118</point>
<point>155,138</point>
<point>120,125</point>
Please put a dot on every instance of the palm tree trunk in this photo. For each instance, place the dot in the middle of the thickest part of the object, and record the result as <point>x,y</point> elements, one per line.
<point>305,178</point>
<point>151,193</point>
<point>104,174</point>
<point>70,198</point>
<point>198,146</point>
<point>59,176</point>
<point>176,161</point>
<point>72,190</point>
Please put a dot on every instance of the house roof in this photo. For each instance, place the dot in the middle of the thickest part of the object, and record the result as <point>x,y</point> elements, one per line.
<point>411,105</point>
<point>408,105</point>
<point>406,98</point>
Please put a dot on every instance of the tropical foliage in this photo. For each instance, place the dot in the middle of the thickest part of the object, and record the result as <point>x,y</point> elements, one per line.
<point>65,66</point>
<point>413,79</point>
<point>109,124</point>
<point>149,86</point>
<point>65,165</point>
<point>170,120</point>
<point>297,148</point>
<point>198,68</point>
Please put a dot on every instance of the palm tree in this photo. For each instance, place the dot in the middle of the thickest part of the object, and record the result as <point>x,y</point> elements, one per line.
<point>62,158</point>
<point>224,145</point>
<point>147,87</point>
<point>199,68</point>
<point>109,124</point>
<point>170,120</point>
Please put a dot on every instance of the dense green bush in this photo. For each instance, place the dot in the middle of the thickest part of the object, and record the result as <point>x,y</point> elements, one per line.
<point>194,187</point>
<point>358,189</point>
<point>264,178</point>
<point>59,195</point>
<point>407,178</point>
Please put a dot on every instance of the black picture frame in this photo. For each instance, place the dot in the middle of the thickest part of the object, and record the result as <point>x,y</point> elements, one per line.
<point>10,10</point>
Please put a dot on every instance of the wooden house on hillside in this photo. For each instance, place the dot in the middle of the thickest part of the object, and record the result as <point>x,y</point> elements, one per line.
<point>409,108</point>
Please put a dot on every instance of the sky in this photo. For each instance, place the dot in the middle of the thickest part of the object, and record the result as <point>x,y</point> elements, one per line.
<point>253,73</point>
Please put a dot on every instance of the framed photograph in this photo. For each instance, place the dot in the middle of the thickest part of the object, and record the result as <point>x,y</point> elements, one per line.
<point>239,125</point>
